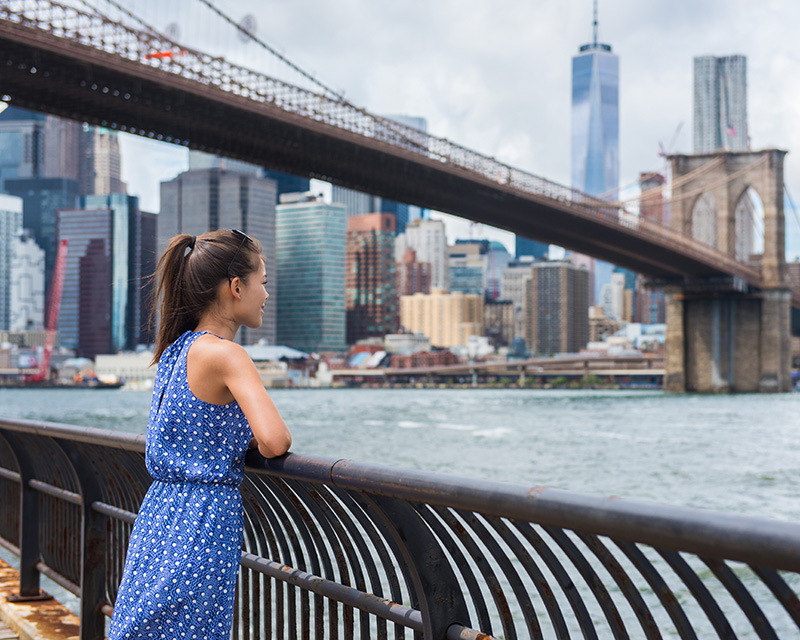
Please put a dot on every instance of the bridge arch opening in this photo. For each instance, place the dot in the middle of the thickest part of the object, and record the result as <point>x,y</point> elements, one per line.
<point>748,225</point>
<point>704,220</point>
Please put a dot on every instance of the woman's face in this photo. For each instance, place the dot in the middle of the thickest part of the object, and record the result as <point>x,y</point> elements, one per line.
<point>254,296</point>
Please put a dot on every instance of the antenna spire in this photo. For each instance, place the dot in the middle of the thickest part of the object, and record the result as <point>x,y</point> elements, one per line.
<point>595,23</point>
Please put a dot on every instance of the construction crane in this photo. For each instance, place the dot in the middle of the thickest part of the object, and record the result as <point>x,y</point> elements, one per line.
<point>662,152</point>
<point>53,308</point>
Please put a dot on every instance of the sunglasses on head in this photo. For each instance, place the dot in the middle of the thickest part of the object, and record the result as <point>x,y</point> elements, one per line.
<point>244,237</point>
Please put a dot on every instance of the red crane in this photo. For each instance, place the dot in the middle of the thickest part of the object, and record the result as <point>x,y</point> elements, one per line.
<point>53,307</point>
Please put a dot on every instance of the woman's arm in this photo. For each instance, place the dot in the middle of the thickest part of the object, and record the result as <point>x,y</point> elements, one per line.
<point>240,376</point>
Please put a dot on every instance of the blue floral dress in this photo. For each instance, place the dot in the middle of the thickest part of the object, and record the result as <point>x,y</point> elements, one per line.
<point>183,558</point>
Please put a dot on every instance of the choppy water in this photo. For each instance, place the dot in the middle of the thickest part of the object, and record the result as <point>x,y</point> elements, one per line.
<point>736,453</point>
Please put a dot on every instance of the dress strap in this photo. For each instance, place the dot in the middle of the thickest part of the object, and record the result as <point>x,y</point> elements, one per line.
<point>200,333</point>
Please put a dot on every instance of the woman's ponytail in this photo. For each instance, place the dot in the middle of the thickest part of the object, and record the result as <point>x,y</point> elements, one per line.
<point>170,288</point>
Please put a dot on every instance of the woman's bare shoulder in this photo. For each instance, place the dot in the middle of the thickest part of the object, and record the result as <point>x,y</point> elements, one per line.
<point>213,351</point>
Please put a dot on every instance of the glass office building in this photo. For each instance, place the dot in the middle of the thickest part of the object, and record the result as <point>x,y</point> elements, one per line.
<point>595,137</point>
<point>595,120</point>
<point>720,104</point>
<point>10,228</point>
<point>42,198</point>
<point>310,249</point>
<point>111,246</point>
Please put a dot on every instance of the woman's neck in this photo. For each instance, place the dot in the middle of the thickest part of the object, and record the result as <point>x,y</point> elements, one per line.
<point>221,328</point>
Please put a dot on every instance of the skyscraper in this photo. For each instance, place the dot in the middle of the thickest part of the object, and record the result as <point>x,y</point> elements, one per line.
<point>109,249</point>
<point>102,165</point>
<point>720,104</point>
<point>35,145</point>
<point>287,183</point>
<point>202,200</point>
<point>595,118</point>
<point>448,319</point>
<point>595,134</point>
<point>41,198</point>
<point>412,276</point>
<point>10,228</point>
<point>27,284</point>
<point>428,239</point>
<point>370,294</point>
<point>310,246</point>
<point>557,308</point>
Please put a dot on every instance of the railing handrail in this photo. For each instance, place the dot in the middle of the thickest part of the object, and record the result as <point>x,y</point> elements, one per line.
<point>762,541</point>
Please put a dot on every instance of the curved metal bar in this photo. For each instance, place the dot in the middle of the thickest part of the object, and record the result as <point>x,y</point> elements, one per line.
<point>592,580</point>
<point>307,527</point>
<point>280,550</point>
<point>397,613</point>
<point>781,590</point>
<point>420,536</point>
<point>700,593</point>
<point>93,543</point>
<point>423,562</point>
<point>266,489</point>
<point>364,554</point>
<point>503,562</point>
<point>660,588</point>
<point>380,545</point>
<point>335,545</point>
<point>743,598</point>
<point>262,542</point>
<point>562,577</point>
<point>626,586</point>
<point>460,563</point>
<point>295,529</point>
<point>519,552</point>
<point>334,527</point>
<point>477,556</point>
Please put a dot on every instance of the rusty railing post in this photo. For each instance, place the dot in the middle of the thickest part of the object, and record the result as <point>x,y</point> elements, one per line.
<point>29,551</point>
<point>93,545</point>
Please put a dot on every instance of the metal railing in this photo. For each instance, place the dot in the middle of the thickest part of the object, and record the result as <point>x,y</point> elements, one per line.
<point>338,549</point>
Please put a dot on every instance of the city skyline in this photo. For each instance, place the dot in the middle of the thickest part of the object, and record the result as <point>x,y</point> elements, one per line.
<point>498,80</point>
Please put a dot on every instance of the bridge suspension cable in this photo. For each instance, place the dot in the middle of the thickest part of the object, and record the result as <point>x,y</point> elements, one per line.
<point>275,53</point>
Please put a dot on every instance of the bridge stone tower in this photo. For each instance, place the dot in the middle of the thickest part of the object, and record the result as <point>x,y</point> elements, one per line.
<point>722,336</point>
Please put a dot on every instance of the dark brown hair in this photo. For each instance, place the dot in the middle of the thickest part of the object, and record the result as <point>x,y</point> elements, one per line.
<point>189,274</point>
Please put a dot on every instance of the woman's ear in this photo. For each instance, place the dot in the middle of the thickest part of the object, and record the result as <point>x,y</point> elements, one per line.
<point>235,287</point>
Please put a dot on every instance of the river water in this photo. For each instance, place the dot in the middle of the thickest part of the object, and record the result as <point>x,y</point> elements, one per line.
<point>735,453</point>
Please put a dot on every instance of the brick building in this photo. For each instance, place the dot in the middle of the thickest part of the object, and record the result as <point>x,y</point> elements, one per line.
<point>370,295</point>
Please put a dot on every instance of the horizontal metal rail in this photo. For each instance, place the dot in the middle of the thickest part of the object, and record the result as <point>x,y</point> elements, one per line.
<point>336,548</point>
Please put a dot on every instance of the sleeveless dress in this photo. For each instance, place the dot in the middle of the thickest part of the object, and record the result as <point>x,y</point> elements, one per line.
<point>183,557</point>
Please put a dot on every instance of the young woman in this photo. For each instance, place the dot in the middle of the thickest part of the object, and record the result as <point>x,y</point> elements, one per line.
<point>208,405</point>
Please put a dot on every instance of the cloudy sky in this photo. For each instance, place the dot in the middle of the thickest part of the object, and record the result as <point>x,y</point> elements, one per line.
<point>495,77</point>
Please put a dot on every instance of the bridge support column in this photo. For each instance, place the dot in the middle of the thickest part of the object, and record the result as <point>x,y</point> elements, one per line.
<point>775,347</point>
<point>727,342</point>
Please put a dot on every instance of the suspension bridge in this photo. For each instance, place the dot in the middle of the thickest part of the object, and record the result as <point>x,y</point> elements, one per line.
<point>81,64</point>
